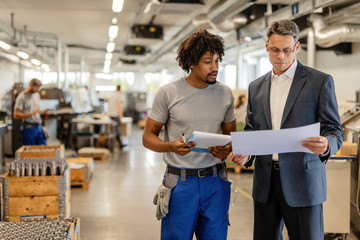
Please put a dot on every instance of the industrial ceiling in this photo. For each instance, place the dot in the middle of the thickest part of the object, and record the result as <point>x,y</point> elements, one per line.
<point>80,27</point>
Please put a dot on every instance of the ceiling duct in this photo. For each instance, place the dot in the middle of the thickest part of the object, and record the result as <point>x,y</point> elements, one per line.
<point>157,7</point>
<point>228,9</point>
<point>328,36</point>
<point>225,26</point>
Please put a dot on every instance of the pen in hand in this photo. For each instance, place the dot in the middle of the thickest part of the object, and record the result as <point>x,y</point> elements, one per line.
<point>183,138</point>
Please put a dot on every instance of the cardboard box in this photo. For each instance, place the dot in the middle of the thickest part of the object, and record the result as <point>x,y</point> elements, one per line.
<point>348,149</point>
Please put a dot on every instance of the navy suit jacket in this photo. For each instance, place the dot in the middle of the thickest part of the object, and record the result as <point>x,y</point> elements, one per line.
<point>311,99</point>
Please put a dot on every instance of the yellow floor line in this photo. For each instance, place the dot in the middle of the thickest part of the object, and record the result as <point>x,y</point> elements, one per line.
<point>245,194</point>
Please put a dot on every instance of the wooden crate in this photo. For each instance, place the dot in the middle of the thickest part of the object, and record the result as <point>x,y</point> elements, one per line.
<point>22,152</point>
<point>34,196</point>
<point>95,153</point>
<point>81,170</point>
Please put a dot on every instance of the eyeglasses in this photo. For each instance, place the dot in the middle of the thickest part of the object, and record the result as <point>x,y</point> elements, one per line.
<point>286,51</point>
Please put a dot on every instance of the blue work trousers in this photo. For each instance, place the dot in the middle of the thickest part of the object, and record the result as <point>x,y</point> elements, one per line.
<point>198,205</point>
<point>33,136</point>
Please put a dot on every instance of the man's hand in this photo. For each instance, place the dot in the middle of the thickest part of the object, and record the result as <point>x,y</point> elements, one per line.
<point>318,145</point>
<point>44,111</point>
<point>220,152</point>
<point>181,148</point>
<point>238,159</point>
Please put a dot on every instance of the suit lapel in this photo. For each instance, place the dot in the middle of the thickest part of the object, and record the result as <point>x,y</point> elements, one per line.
<point>296,86</point>
<point>266,99</point>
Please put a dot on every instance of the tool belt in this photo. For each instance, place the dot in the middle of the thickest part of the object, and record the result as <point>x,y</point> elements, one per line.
<point>210,171</point>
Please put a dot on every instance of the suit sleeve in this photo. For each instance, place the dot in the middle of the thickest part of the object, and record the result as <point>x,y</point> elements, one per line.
<point>249,124</point>
<point>329,118</point>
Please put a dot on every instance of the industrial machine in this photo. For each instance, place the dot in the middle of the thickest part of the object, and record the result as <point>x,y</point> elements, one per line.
<point>135,105</point>
<point>16,137</point>
<point>351,126</point>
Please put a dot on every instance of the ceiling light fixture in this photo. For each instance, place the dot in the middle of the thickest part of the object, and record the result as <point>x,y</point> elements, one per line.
<point>110,47</point>
<point>106,69</point>
<point>45,67</point>
<point>113,31</point>
<point>107,62</point>
<point>117,5</point>
<point>114,20</point>
<point>22,54</point>
<point>4,45</point>
<point>35,62</point>
<point>108,56</point>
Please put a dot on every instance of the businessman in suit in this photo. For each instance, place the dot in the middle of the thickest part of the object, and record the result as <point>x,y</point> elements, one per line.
<point>291,187</point>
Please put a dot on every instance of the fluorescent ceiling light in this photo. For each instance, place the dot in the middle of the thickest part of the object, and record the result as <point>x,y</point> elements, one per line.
<point>117,5</point>
<point>108,56</point>
<point>35,62</point>
<point>113,31</point>
<point>23,55</point>
<point>45,67</point>
<point>4,45</point>
<point>106,69</point>
<point>104,76</point>
<point>105,88</point>
<point>114,20</point>
<point>107,63</point>
<point>110,47</point>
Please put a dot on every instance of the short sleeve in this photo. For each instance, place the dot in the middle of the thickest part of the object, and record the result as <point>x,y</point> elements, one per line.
<point>19,103</point>
<point>229,115</point>
<point>159,110</point>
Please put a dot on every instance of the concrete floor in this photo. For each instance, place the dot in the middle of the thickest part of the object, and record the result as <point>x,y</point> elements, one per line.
<point>118,204</point>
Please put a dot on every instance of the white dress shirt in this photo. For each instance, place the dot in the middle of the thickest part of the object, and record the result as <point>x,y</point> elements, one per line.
<point>279,91</point>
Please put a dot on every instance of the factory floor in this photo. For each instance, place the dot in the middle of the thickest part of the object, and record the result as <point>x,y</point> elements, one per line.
<point>118,204</point>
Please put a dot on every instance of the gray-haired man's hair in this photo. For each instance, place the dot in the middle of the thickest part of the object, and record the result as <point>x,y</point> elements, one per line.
<point>285,28</point>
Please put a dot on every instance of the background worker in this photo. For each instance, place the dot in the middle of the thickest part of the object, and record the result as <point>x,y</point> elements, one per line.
<point>240,112</point>
<point>291,187</point>
<point>199,199</point>
<point>115,112</point>
<point>27,107</point>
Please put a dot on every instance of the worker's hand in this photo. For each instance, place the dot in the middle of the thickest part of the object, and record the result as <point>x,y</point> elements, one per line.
<point>220,152</point>
<point>37,111</point>
<point>44,111</point>
<point>318,145</point>
<point>181,148</point>
<point>238,159</point>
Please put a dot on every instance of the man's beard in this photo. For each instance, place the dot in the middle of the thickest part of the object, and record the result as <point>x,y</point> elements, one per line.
<point>210,82</point>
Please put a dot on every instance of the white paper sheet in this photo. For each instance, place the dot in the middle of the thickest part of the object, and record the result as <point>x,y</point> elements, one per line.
<point>205,140</point>
<point>266,142</point>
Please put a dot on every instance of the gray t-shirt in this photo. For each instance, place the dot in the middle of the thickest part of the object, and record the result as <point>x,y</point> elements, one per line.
<point>29,103</point>
<point>184,109</point>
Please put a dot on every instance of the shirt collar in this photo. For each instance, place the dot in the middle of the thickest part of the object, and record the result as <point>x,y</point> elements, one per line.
<point>290,73</point>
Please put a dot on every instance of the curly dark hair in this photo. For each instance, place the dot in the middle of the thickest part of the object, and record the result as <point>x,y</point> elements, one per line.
<point>196,45</point>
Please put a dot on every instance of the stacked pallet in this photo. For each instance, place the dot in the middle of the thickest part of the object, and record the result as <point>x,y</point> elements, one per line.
<point>95,153</point>
<point>81,170</point>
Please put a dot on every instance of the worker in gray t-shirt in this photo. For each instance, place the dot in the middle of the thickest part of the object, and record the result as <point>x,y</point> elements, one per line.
<point>195,194</point>
<point>27,107</point>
